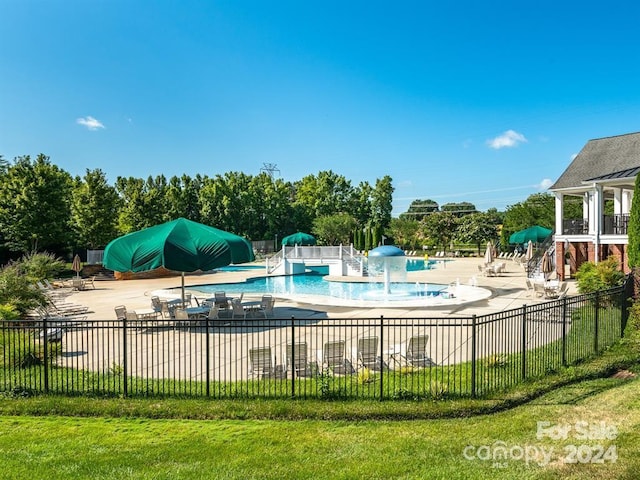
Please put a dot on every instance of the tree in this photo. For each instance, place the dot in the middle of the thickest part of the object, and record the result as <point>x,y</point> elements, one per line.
<point>94,209</point>
<point>633,229</point>
<point>334,229</point>
<point>405,232</point>
<point>537,209</point>
<point>440,227</point>
<point>381,203</point>
<point>477,228</point>
<point>35,212</point>
<point>419,209</point>
<point>459,209</point>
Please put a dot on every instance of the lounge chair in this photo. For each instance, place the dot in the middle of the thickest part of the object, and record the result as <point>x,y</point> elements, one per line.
<point>261,362</point>
<point>296,360</point>
<point>367,353</point>
<point>414,352</point>
<point>333,357</point>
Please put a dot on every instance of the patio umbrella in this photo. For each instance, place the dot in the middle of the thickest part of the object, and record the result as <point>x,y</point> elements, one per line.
<point>298,238</point>
<point>536,234</point>
<point>547,265</point>
<point>76,266</point>
<point>529,254</point>
<point>180,245</point>
<point>488,254</point>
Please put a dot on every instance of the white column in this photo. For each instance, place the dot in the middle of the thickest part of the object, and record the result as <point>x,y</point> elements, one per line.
<point>627,198</point>
<point>586,203</point>
<point>559,213</point>
<point>617,201</point>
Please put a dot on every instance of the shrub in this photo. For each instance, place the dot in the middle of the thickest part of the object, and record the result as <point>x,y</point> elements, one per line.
<point>17,290</point>
<point>8,312</point>
<point>40,265</point>
<point>604,275</point>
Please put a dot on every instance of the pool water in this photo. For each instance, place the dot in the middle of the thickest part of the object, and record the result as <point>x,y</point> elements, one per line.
<point>312,283</point>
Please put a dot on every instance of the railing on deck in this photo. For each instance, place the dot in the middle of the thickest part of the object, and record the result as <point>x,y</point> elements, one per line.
<point>317,357</point>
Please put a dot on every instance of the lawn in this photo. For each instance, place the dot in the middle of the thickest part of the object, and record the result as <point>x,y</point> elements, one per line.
<point>54,447</point>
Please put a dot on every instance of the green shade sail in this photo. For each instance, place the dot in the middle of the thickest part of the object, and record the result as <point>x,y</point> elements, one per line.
<point>536,234</point>
<point>299,238</point>
<point>180,245</point>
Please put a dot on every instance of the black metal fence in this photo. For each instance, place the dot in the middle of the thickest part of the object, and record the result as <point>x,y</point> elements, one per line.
<point>379,358</point>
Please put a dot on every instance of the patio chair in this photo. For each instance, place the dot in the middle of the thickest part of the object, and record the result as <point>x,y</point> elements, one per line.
<point>414,353</point>
<point>237,310</point>
<point>538,289</point>
<point>182,318</point>
<point>77,283</point>
<point>90,281</point>
<point>266,306</point>
<point>333,357</point>
<point>220,299</point>
<point>296,360</point>
<point>261,362</point>
<point>121,312</point>
<point>529,287</point>
<point>367,353</point>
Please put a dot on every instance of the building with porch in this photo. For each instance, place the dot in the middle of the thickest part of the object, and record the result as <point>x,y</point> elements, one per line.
<point>603,175</point>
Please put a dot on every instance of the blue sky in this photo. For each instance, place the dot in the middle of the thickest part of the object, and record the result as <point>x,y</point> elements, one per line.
<point>457,101</point>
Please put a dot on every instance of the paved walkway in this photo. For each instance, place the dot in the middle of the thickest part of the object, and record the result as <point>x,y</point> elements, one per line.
<point>507,291</point>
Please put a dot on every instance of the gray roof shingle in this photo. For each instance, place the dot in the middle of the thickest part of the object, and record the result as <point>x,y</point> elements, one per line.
<point>601,157</point>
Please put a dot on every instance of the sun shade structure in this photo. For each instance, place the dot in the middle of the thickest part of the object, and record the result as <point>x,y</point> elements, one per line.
<point>298,238</point>
<point>76,266</point>
<point>180,245</point>
<point>536,234</point>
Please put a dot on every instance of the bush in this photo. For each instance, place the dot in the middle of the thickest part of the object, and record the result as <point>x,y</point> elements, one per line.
<point>8,312</point>
<point>18,292</point>
<point>38,266</point>
<point>604,275</point>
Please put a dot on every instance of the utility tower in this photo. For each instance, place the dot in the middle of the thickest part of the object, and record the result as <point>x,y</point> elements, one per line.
<point>270,169</point>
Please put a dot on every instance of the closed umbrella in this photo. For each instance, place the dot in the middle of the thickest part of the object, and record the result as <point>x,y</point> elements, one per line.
<point>488,254</point>
<point>76,266</point>
<point>547,265</point>
<point>529,254</point>
<point>181,245</point>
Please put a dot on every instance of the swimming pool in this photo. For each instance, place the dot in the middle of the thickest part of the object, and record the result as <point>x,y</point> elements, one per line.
<point>313,283</point>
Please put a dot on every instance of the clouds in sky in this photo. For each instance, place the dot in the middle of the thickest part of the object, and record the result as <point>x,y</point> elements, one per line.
<point>510,138</point>
<point>545,184</point>
<point>90,122</point>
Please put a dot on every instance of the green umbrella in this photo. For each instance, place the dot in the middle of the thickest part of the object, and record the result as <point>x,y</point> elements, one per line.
<point>536,234</point>
<point>299,238</point>
<point>180,245</point>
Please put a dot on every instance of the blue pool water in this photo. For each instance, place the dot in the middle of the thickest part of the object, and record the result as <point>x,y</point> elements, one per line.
<point>312,283</point>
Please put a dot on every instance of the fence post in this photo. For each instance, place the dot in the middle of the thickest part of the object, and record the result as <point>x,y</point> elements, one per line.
<point>473,355</point>
<point>207,343</point>
<point>46,354</point>
<point>125,370</point>
<point>381,361</point>
<point>596,322</point>
<point>524,343</point>
<point>564,331</point>
<point>293,356</point>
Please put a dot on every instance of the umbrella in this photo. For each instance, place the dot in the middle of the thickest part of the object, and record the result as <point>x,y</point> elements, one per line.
<point>76,266</point>
<point>536,234</point>
<point>180,245</point>
<point>488,255</point>
<point>529,254</point>
<point>299,238</point>
<point>547,265</point>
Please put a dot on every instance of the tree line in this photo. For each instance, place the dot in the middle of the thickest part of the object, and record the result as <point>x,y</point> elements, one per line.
<point>43,207</point>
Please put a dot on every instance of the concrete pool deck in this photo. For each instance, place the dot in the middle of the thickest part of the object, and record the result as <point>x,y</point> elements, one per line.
<point>507,291</point>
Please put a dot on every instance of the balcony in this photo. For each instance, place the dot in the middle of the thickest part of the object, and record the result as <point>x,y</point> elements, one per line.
<point>575,226</point>
<point>615,224</point>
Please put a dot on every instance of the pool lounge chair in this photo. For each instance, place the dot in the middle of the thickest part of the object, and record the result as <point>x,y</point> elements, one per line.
<point>414,352</point>
<point>261,362</point>
<point>296,361</point>
<point>333,357</point>
<point>367,353</point>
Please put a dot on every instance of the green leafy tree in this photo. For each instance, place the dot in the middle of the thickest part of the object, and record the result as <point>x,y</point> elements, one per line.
<point>35,205</point>
<point>405,232</point>
<point>459,209</point>
<point>633,229</point>
<point>94,209</point>
<point>334,229</point>
<point>381,203</point>
<point>419,209</point>
<point>478,229</point>
<point>440,227</point>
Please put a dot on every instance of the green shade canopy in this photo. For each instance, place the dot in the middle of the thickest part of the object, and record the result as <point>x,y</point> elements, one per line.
<point>536,234</point>
<point>180,245</point>
<point>299,238</point>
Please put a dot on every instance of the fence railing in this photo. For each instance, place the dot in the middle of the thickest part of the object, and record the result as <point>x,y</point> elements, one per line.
<point>379,358</point>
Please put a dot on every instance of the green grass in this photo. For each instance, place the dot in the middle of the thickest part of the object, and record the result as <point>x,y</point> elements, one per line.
<point>74,447</point>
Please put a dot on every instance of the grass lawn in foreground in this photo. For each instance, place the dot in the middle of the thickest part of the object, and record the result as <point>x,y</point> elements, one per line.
<point>55,447</point>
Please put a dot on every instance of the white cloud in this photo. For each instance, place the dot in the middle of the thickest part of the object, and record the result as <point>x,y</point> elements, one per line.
<point>573,157</point>
<point>90,122</point>
<point>510,138</point>
<point>545,184</point>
